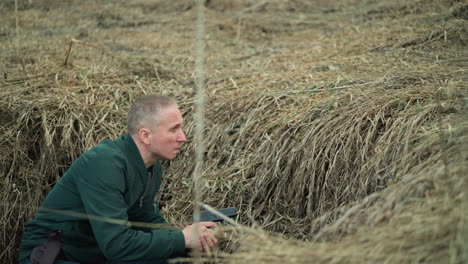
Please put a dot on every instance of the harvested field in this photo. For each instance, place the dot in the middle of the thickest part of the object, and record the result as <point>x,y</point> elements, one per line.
<point>337,128</point>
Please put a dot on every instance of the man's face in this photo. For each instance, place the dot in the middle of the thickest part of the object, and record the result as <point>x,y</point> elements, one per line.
<point>167,137</point>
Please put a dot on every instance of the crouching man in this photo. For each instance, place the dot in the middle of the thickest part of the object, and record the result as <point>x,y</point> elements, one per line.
<point>87,217</point>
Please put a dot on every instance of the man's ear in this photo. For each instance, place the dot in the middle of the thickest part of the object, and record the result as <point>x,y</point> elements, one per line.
<point>144,136</point>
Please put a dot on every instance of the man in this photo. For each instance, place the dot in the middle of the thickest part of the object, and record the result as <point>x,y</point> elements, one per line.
<point>114,183</point>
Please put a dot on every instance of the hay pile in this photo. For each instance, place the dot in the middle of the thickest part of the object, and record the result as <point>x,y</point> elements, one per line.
<point>337,128</point>
<point>420,218</point>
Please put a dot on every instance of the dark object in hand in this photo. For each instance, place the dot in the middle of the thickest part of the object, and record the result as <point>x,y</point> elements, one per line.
<point>206,216</point>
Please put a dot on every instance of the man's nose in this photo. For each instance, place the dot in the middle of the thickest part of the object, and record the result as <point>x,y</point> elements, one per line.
<point>181,137</point>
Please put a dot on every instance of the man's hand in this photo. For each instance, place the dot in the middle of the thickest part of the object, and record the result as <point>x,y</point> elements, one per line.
<point>207,240</point>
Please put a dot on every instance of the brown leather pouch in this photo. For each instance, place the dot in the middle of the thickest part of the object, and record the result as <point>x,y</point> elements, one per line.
<point>48,252</point>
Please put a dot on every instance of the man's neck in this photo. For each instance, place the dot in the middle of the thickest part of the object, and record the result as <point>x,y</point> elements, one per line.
<point>148,159</point>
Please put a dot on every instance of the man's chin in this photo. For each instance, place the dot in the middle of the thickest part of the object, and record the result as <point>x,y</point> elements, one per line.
<point>170,157</point>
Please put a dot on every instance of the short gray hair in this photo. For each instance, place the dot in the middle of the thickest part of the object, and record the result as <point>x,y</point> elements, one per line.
<point>145,111</point>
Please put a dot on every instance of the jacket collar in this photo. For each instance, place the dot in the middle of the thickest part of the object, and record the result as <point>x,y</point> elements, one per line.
<point>130,149</point>
<point>132,153</point>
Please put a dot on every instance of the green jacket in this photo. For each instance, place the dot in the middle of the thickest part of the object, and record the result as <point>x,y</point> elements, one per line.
<point>110,180</point>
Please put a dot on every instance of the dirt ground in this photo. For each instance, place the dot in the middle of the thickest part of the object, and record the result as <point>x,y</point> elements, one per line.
<point>269,66</point>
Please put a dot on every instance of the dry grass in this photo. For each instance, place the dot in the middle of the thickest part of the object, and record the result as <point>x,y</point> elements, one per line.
<point>420,218</point>
<point>337,128</point>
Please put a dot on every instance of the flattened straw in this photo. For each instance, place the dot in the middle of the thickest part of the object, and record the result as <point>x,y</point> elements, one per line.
<point>104,52</point>
<point>199,115</point>
<point>316,90</point>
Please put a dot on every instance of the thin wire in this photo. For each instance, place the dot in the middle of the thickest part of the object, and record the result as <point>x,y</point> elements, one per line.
<point>199,114</point>
<point>20,59</point>
<point>108,219</point>
<point>225,218</point>
<point>17,27</point>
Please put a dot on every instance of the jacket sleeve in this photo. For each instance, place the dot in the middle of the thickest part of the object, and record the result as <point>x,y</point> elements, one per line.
<point>101,185</point>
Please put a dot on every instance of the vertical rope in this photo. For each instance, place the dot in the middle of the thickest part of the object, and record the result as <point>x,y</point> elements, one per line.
<point>200,110</point>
